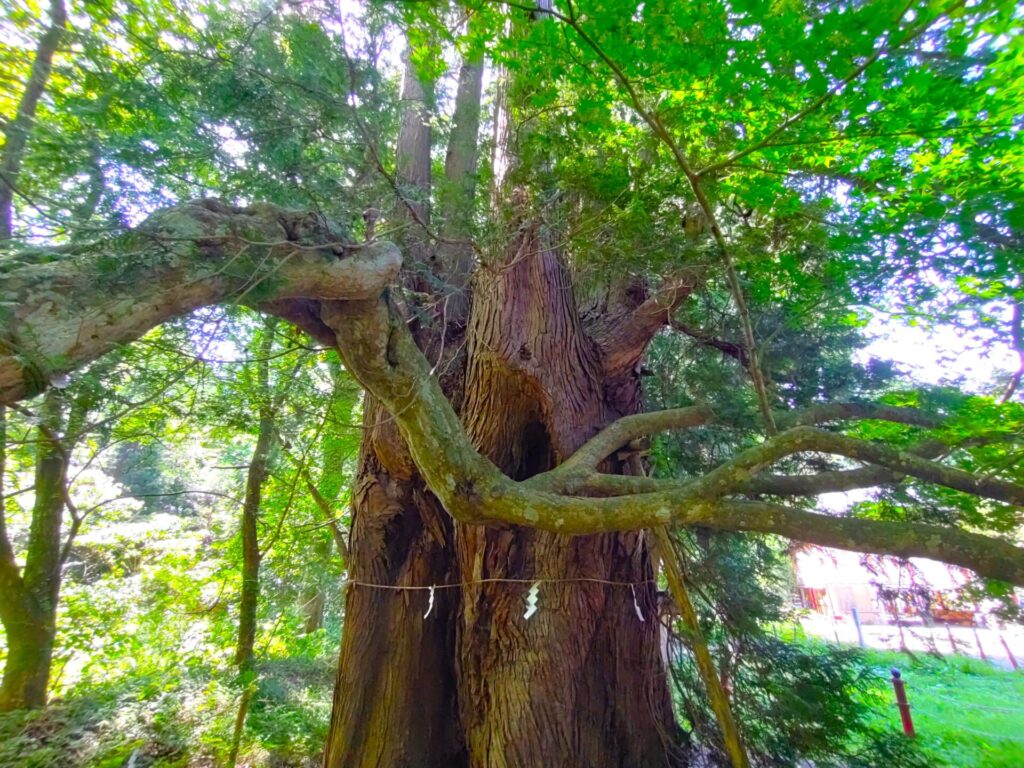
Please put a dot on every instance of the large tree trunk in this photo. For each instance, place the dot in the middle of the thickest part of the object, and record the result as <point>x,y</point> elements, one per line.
<point>394,703</point>
<point>581,682</point>
<point>475,683</point>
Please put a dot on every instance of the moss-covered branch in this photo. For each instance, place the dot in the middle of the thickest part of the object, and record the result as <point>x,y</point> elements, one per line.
<point>60,314</point>
<point>985,555</point>
<point>60,311</point>
<point>629,428</point>
<point>380,352</point>
<point>731,476</point>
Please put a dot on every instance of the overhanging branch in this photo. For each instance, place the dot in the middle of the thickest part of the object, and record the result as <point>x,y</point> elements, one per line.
<point>987,556</point>
<point>62,313</point>
<point>378,349</point>
<point>731,476</point>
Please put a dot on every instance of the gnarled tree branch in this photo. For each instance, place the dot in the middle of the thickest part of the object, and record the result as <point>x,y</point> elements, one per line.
<point>625,340</point>
<point>205,252</point>
<point>60,314</point>
<point>380,352</point>
<point>983,554</point>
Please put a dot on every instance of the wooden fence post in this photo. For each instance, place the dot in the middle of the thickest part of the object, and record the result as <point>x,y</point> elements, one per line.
<point>856,623</point>
<point>1009,653</point>
<point>902,703</point>
<point>981,648</point>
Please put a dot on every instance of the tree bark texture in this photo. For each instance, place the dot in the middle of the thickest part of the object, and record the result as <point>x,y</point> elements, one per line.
<point>395,698</point>
<point>412,173</point>
<point>28,601</point>
<point>29,657</point>
<point>259,470</point>
<point>475,683</point>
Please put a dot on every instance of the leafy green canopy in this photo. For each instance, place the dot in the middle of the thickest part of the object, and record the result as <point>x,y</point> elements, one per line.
<point>849,149</point>
<point>170,101</point>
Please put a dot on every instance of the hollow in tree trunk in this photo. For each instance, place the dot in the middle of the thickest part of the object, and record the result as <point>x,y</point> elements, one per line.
<point>475,682</point>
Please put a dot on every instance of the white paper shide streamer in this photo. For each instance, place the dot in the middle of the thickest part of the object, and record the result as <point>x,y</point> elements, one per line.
<point>636,604</point>
<point>531,600</point>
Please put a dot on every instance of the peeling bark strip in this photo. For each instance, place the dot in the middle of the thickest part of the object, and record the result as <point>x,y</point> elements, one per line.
<point>63,312</point>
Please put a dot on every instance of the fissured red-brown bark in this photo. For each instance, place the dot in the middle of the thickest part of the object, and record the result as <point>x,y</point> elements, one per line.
<point>395,696</point>
<point>581,681</point>
<point>475,683</point>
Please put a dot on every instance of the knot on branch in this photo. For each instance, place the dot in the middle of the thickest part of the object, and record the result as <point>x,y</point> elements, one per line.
<point>213,223</point>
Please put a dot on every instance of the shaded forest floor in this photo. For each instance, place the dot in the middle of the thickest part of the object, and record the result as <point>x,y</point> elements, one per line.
<point>968,714</point>
<point>184,723</point>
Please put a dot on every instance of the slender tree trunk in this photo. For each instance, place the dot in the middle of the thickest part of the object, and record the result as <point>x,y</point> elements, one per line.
<point>335,452</point>
<point>28,603</point>
<point>259,468</point>
<point>315,600</point>
<point>412,158</point>
<point>456,199</point>
<point>251,555</point>
<point>17,130</point>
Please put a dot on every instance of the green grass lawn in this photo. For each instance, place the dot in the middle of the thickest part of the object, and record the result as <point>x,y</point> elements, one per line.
<point>967,713</point>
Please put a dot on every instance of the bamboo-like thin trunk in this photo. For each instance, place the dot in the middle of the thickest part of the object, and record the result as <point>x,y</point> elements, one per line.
<point>717,696</point>
<point>16,132</point>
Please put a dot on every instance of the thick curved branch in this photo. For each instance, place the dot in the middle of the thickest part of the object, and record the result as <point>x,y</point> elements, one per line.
<point>730,348</point>
<point>624,341</point>
<point>838,481</point>
<point>829,412</point>
<point>985,555</point>
<point>578,478</point>
<point>731,476</point>
<point>628,428</point>
<point>59,315</point>
<point>380,352</point>
<point>599,484</point>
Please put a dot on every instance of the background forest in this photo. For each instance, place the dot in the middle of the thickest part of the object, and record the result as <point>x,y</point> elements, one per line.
<point>183,502</point>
